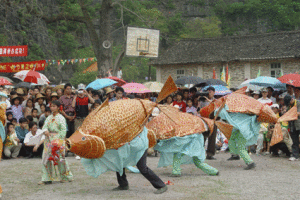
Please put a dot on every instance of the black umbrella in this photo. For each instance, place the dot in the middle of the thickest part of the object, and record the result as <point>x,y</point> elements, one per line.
<point>211,82</point>
<point>189,80</point>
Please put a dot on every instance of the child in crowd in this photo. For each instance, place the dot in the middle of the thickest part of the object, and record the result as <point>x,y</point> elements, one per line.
<point>12,146</point>
<point>43,109</point>
<point>35,115</point>
<point>15,122</point>
<point>179,102</point>
<point>169,100</point>
<point>96,104</point>
<point>28,109</point>
<point>9,117</point>
<point>22,130</point>
<point>29,118</point>
<point>16,108</point>
<point>44,116</point>
<point>190,107</point>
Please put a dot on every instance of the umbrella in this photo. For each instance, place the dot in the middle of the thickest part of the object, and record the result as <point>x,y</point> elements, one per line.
<point>211,82</point>
<point>7,79</point>
<point>101,83</point>
<point>290,79</point>
<point>135,88</point>
<point>120,82</point>
<point>23,85</point>
<point>250,86</point>
<point>154,86</point>
<point>31,76</point>
<point>4,81</point>
<point>220,89</point>
<point>189,80</point>
<point>266,81</point>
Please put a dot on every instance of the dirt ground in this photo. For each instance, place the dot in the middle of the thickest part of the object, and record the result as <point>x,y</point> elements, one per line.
<point>273,178</point>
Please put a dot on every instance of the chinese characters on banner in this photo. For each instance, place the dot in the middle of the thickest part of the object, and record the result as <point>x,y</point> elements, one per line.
<point>13,51</point>
<point>18,66</point>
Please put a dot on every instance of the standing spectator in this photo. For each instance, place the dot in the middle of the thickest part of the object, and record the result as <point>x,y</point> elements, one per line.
<point>12,146</point>
<point>264,99</point>
<point>211,93</point>
<point>256,95</point>
<point>96,104</point>
<point>28,107</point>
<point>297,93</point>
<point>43,109</point>
<point>179,102</point>
<point>190,108</point>
<point>48,92</point>
<point>270,92</point>
<point>185,95</point>
<point>169,100</point>
<point>22,130</point>
<point>119,94</point>
<point>119,73</point>
<point>36,91</point>
<point>16,108</point>
<point>33,141</point>
<point>67,110</point>
<point>60,92</point>
<point>54,96</point>
<point>40,99</point>
<point>34,115</point>
<point>294,126</point>
<point>110,93</point>
<point>290,91</point>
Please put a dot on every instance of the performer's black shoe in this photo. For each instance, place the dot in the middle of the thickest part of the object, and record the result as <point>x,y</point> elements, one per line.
<point>250,166</point>
<point>210,158</point>
<point>234,157</point>
<point>161,190</point>
<point>121,188</point>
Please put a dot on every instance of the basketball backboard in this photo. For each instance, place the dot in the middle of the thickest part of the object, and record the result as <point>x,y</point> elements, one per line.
<point>142,42</point>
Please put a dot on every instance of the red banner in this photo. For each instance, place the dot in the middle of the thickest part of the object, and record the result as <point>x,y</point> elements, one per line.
<point>19,66</point>
<point>13,51</point>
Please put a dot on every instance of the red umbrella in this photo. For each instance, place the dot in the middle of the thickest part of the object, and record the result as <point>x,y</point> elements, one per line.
<point>120,81</point>
<point>291,79</point>
<point>4,81</point>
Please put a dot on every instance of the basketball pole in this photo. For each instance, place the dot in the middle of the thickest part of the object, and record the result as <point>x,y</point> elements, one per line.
<point>149,73</point>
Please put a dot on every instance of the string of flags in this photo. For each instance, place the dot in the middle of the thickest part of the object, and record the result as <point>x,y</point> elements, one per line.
<point>70,61</point>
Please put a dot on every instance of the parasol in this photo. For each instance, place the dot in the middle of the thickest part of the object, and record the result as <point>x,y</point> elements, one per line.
<point>154,86</point>
<point>31,76</point>
<point>135,88</point>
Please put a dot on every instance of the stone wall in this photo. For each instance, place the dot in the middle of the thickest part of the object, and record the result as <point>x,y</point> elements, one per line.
<point>237,70</point>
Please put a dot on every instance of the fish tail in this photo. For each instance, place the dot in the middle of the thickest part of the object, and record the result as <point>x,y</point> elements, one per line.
<point>169,88</point>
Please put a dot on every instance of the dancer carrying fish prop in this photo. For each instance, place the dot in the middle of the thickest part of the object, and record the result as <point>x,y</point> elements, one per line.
<point>114,136</point>
<point>181,139</point>
<point>3,106</point>
<point>245,114</point>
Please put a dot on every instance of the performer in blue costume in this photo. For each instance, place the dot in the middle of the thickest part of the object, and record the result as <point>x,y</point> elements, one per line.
<point>245,133</point>
<point>130,154</point>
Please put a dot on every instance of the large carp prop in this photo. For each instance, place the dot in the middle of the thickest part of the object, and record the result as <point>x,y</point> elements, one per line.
<point>111,125</point>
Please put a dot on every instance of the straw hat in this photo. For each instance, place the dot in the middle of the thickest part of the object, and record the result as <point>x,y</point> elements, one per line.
<point>20,91</point>
<point>39,96</point>
<point>13,97</point>
<point>108,90</point>
<point>54,94</point>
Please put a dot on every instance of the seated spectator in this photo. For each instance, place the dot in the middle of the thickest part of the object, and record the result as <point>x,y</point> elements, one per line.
<point>28,109</point>
<point>221,141</point>
<point>33,141</point>
<point>43,109</point>
<point>285,146</point>
<point>9,117</point>
<point>12,146</point>
<point>29,118</point>
<point>41,124</point>
<point>22,129</point>
<point>44,116</point>
<point>35,115</point>
<point>14,122</point>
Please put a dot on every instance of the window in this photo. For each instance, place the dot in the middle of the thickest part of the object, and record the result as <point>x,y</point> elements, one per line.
<point>275,70</point>
<point>180,73</point>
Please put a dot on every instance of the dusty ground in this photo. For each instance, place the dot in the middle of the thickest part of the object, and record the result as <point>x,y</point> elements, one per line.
<point>273,178</point>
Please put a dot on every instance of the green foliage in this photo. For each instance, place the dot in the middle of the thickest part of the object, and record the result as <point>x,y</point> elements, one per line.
<point>85,78</point>
<point>36,52</point>
<point>202,28</point>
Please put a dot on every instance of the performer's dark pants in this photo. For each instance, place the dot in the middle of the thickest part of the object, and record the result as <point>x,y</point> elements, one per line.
<point>71,126</point>
<point>281,146</point>
<point>211,145</point>
<point>295,146</point>
<point>145,171</point>
<point>29,150</point>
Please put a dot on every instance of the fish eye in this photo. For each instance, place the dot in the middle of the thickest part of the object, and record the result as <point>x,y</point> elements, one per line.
<point>83,138</point>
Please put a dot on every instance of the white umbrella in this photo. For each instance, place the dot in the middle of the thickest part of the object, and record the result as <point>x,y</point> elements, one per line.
<point>250,86</point>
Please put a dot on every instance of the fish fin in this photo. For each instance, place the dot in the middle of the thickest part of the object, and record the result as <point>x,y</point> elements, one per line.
<point>277,135</point>
<point>241,90</point>
<point>225,128</point>
<point>169,88</point>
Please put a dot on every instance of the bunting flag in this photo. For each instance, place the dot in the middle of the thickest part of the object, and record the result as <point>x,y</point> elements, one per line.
<point>13,51</point>
<point>19,66</point>
<point>214,74</point>
<point>226,76</point>
<point>258,74</point>
<point>228,81</point>
<point>70,61</point>
<point>223,75</point>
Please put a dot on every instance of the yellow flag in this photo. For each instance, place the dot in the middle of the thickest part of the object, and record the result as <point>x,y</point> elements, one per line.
<point>223,75</point>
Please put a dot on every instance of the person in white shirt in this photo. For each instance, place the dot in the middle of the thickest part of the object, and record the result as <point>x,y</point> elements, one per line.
<point>270,92</point>
<point>119,73</point>
<point>33,142</point>
<point>264,99</point>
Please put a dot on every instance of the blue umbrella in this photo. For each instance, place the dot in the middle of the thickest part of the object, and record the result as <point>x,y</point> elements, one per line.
<point>101,83</point>
<point>266,81</point>
<point>219,89</point>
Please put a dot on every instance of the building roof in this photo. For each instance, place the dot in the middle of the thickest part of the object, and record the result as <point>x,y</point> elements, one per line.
<point>275,45</point>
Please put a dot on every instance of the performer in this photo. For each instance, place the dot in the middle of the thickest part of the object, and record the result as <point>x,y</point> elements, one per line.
<point>184,150</point>
<point>3,107</point>
<point>55,131</point>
